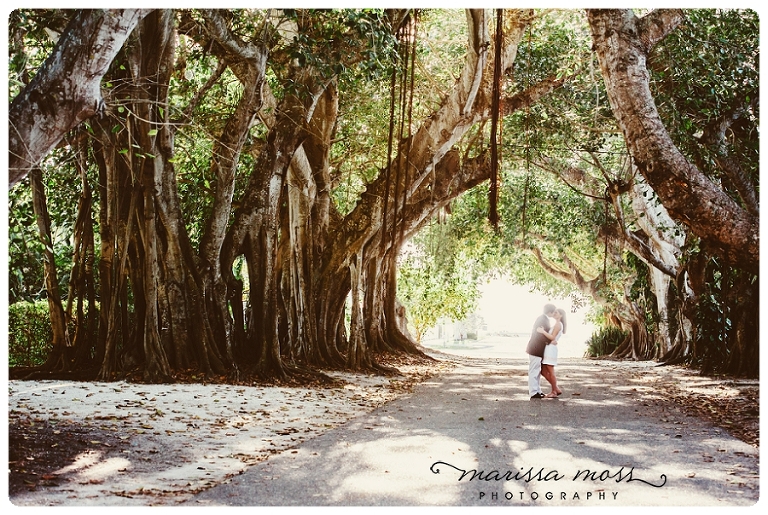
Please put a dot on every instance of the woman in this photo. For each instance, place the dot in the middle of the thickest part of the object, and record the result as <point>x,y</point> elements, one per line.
<point>550,352</point>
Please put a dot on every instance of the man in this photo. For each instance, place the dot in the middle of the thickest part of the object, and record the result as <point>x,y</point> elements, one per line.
<point>535,350</point>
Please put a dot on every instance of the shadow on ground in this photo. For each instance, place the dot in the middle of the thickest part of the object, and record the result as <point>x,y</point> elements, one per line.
<point>472,437</point>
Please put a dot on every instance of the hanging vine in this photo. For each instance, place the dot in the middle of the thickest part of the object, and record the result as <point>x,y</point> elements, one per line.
<point>400,123</point>
<point>493,201</point>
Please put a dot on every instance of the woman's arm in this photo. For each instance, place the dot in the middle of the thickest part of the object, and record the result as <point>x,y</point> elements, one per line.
<point>552,336</point>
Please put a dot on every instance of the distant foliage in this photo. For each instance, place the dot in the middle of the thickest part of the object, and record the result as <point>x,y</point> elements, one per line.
<point>604,341</point>
<point>29,333</point>
<point>436,280</point>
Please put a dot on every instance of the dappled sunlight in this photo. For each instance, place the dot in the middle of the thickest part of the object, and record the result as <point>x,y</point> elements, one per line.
<point>90,466</point>
<point>84,460</point>
<point>106,468</point>
<point>540,456</point>
<point>446,436</point>
<point>517,446</point>
<point>627,449</point>
<point>373,465</point>
<point>475,431</point>
<point>385,456</point>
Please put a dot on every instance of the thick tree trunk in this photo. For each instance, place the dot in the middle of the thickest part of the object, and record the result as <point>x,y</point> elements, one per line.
<point>622,42</point>
<point>248,62</point>
<point>638,344</point>
<point>257,225</point>
<point>116,217</point>
<point>357,354</point>
<point>150,229</point>
<point>744,347</point>
<point>67,88</point>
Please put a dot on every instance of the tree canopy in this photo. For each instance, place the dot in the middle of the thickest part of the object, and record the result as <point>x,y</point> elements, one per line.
<point>269,191</point>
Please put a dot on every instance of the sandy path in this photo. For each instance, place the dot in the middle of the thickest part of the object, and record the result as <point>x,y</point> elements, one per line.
<point>176,441</point>
<point>612,439</point>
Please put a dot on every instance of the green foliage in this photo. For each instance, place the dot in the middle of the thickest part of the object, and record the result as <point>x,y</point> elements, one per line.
<point>31,38</point>
<point>441,47</point>
<point>359,152</point>
<point>436,280</point>
<point>25,251</point>
<point>605,341</point>
<point>572,119</point>
<point>29,333</point>
<point>334,42</point>
<point>707,67</point>
<point>559,156</point>
<point>718,310</point>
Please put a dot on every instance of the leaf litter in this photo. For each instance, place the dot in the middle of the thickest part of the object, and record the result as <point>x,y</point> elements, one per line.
<point>124,443</point>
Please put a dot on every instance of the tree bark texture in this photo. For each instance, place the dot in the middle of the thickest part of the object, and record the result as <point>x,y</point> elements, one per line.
<point>67,89</point>
<point>58,359</point>
<point>82,282</point>
<point>623,42</point>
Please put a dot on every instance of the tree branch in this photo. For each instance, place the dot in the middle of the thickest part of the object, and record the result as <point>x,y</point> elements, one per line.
<point>532,94</point>
<point>67,88</point>
<point>689,196</point>
<point>656,25</point>
<point>714,136</point>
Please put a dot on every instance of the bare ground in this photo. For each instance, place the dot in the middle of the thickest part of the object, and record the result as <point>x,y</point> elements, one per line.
<point>135,444</point>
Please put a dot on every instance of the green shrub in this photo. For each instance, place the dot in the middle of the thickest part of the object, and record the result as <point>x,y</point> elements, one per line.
<point>605,341</point>
<point>29,333</point>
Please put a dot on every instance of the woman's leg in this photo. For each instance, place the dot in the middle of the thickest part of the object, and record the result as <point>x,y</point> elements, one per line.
<point>546,372</point>
<point>553,381</point>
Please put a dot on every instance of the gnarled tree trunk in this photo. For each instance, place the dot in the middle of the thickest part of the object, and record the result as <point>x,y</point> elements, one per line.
<point>622,42</point>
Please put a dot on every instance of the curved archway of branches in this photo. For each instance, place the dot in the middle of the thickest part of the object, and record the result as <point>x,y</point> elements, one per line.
<point>252,170</point>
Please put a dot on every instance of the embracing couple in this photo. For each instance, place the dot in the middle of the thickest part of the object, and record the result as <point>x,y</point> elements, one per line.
<point>542,352</point>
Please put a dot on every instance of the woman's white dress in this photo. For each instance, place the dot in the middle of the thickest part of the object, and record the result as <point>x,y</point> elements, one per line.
<point>550,351</point>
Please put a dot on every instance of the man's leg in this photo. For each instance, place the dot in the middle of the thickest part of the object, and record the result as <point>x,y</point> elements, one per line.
<point>534,375</point>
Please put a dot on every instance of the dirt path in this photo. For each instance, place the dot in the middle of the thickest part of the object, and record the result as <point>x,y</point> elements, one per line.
<point>377,443</point>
